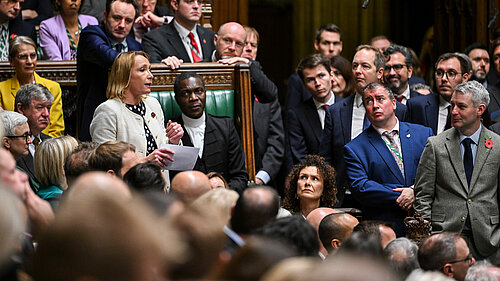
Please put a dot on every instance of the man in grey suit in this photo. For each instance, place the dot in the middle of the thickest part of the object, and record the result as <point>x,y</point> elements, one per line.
<point>458,175</point>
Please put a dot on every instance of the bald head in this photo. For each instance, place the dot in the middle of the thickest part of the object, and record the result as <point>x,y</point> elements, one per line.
<point>229,40</point>
<point>387,234</point>
<point>189,185</point>
<point>335,228</point>
<point>98,182</point>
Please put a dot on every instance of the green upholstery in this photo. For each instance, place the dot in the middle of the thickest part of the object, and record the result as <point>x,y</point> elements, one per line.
<point>218,103</point>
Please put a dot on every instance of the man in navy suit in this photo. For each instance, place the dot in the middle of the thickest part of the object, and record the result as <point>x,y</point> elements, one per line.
<point>97,50</point>
<point>12,24</point>
<point>434,110</point>
<point>182,40</point>
<point>307,119</point>
<point>381,163</point>
<point>346,120</point>
<point>398,70</point>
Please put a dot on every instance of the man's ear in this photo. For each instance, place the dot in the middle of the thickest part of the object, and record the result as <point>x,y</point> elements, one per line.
<point>335,243</point>
<point>215,38</point>
<point>174,4</point>
<point>19,108</point>
<point>5,142</point>
<point>105,16</point>
<point>448,270</point>
<point>380,73</point>
<point>111,172</point>
<point>316,46</point>
<point>466,76</point>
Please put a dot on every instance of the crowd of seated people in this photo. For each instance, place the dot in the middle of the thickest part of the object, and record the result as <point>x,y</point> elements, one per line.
<point>360,145</point>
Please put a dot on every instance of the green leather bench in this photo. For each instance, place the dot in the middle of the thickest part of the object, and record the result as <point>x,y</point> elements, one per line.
<point>218,103</point>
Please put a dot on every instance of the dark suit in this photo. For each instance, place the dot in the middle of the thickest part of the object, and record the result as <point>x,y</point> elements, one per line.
<point>424,110</point>
<point>337,133</point>
<point>295,93</point>
<point>27,165</point>
<point>304,131</point>
<point>373,173</point>
<point>494,106</point>
<point>95,57</point>
<point>222,151</point>
<point>269,137</point>
<point>165,41</point>
<point>42,7</point>
<point>19,27</point>
<point>443,194</point>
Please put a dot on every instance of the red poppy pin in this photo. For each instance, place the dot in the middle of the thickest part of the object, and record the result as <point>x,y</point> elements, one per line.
<point>12,36</point>
<point>204,41</point>
<point>153,114</point>
<point>488,143</point>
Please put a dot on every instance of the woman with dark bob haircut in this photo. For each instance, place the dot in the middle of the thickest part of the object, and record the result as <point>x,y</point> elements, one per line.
<point>342,78</point>
<point>311,185</point>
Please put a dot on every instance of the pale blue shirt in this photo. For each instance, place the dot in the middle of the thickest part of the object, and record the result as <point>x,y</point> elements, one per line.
<point>475,141</point>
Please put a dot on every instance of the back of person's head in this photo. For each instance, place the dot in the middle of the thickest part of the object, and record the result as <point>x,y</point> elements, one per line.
<point>293,231</point>
<point>334,229</point>
<point>96,181</point>
<point>163,204</point>
<point>436,250</point>
<point>189,185</point>
<point>362,244</point>
<point>402,254</point>
<point>12,224</point>
<point>77,162</point>
<point>383,230</point>
<point>349,267</point>
<point>482,271</point>
<point>221,199</point>
<point>255,258</point>
<point>50,157</point>
<point>109,155</point>
<point>217,180</point>
<point>103,237</point>
<point>422,275</point>
<point>290,268</point>
<point>255,207</point>
<point>202,230</point>
<point>145,177</point>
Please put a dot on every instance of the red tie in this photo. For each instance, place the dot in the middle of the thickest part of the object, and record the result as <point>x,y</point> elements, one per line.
<point>399,98</point>
<point>325,106</point>
<point>196,58</point>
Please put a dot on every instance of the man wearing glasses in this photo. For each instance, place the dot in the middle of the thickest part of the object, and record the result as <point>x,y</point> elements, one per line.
<point>17,133</point>
<point>11,25</point>
<point>434,110</point>
<point>446,252</point>
<point>397,71</point>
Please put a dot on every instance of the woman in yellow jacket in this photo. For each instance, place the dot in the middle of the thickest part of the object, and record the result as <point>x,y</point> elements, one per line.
<point>22,55</point>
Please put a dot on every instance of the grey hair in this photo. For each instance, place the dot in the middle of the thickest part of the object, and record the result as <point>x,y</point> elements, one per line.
<point>29,92</point>
<point>394,48</point>
<point>11,120</point>
<point>479,95</point>
<point>17,41</point>
<point>376,85</point>
<point>402,255</point>
<point>419,86</point>
<point>479,272</point>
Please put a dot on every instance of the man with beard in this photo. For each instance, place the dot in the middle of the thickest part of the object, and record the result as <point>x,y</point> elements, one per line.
<point>480,58</point>
<point>398,69</point>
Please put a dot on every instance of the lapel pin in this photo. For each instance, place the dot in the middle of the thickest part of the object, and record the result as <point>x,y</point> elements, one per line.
<point>204,41</point>
<point>408,136</point>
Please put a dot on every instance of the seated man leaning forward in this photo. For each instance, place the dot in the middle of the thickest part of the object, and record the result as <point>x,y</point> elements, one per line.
<point>216,137</point>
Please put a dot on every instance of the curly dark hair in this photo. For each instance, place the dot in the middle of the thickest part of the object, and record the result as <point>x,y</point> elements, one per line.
<point>328,198</point>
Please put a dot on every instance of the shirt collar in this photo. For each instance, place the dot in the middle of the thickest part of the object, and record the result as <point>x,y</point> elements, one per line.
<point>380,131</point>
<point>329,102</point>
<point>443,102</point>
<point>358,100</point>
<point>406,93</point>
<point>474,137</point>
<point>193,123</point>
<point>183,32</point>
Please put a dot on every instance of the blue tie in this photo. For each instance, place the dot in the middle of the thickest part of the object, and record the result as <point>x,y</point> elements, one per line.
<point>468,165</point>
<point>119,47</point>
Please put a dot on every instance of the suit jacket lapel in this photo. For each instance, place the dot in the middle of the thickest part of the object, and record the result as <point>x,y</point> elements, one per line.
<point>209,137</point>
<point>175,39</point>
<point>378,143</point>
<point>432,112</point>
<point>313,119</point>
<point>346,117</point>
<point>207,56</point>
<point>481,155</point>
<point>452,145</point>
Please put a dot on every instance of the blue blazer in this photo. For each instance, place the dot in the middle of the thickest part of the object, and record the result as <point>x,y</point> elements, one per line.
<point>424,110</point>
<point>95,57</point>
<point>337,133</point>
<point>304,130</point>
<point>372,171</point>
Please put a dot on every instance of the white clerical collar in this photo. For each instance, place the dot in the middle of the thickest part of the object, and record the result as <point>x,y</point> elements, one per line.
<point>380,131</point>
<point>193,123</point>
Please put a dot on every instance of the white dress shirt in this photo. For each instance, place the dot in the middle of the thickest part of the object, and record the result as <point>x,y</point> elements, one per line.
<point>358,116</point>
<point>443,114</point>
<point>183,33</point>
<point>321,110</point>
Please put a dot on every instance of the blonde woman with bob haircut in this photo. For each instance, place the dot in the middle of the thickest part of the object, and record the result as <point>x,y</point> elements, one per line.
<point>132,116</point>
<point>49,167</point>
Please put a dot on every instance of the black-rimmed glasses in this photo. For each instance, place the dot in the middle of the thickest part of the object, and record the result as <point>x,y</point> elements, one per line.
<point>27,137</point>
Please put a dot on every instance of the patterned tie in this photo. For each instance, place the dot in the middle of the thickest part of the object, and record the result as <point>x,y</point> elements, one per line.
<point>36,142</point>
<point>4,43</point>
<point>394,148</point>
<point>468,165</point>
<point>194,48</point>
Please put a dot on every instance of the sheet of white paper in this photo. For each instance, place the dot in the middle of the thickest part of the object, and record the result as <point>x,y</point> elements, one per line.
<point>184,158</point>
